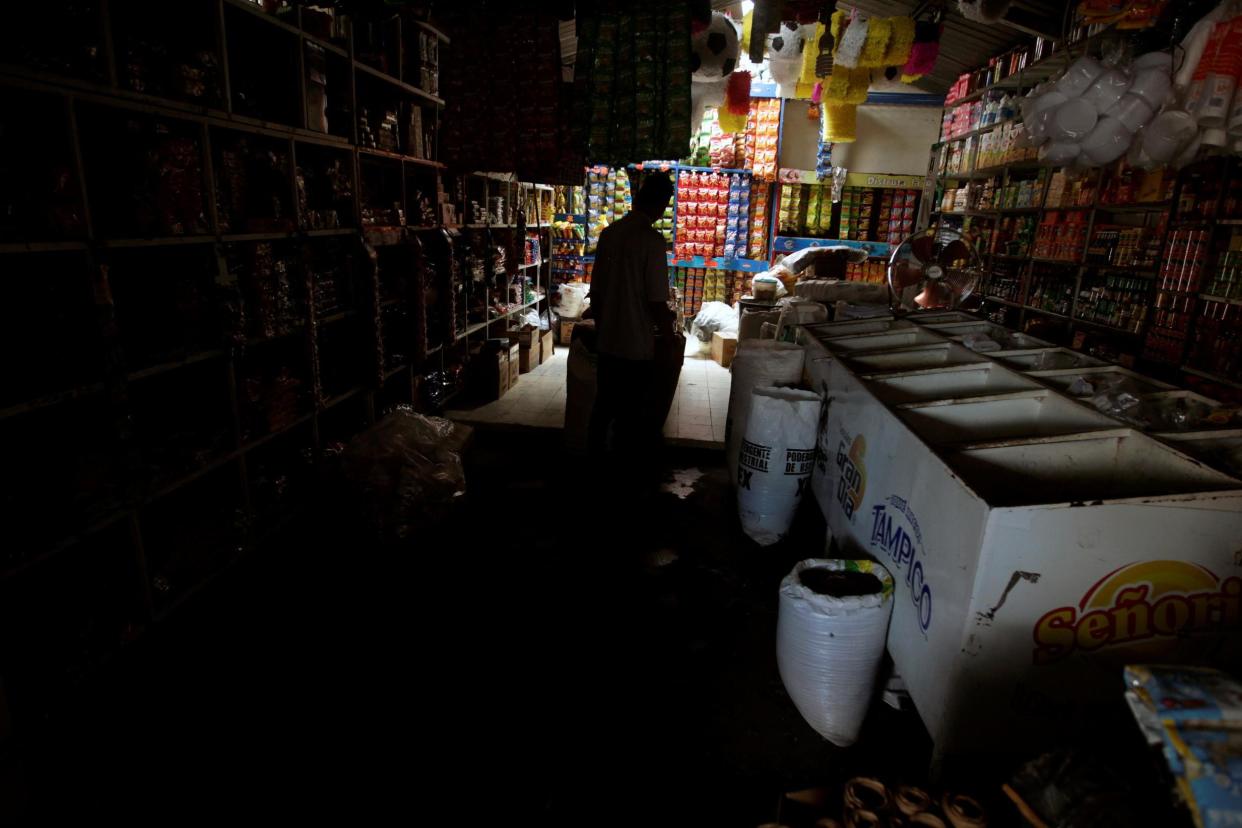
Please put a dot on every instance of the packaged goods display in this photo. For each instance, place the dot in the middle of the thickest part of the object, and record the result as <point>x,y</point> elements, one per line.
<point>1217,345</point>
<point>759,219</point>
<point>713,214</point>
<point>897,213</point>
<point>857,208</point>
<point>608,198</point>
<point>1118,300</point>
<point>486,125</point>
<point>697,285</point>
<point>1005,282</point>
<point>872,271</point>
<point>1061,235</point>
<point>1177,289</point>
<point>767,134</point>
<point>632,79</point>
<point>1122,246</point>
<point>1225,280</point>
<point>1052,289</point>
<point>1014,236</point>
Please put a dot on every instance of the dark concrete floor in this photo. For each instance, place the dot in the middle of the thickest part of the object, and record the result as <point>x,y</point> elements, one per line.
<point>528,661</point>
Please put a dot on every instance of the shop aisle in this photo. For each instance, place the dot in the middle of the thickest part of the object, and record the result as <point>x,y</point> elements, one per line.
<point>696,419</point>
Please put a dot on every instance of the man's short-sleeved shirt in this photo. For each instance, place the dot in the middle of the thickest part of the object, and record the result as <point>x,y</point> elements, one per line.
<point>631,271</point>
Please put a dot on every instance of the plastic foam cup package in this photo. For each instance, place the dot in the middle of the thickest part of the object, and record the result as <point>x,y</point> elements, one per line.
<point>1168,133</point>
<point>1107,89</point>
<point>1107,142</point>
<point>1059,152</point>
<point>1132,111</point>
<point>1152,85</point>
<point>1073,120</point>
<point>1079,77</point>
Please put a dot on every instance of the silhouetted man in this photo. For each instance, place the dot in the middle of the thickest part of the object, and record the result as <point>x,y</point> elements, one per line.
<point>629,301</point>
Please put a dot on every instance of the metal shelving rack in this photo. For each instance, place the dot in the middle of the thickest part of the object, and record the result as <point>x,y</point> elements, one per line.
<point>124,517</point>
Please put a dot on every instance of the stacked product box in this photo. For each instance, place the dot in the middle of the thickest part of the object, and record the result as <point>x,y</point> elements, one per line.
<point>698,285</point>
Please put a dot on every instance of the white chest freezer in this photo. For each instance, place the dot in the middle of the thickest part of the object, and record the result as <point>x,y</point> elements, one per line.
<point>1036,544</point>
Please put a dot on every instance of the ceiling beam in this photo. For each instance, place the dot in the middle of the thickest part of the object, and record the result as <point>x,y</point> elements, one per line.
<point>1039,25</point>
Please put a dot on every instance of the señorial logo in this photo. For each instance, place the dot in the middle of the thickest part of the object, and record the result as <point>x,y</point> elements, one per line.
<point>895,530</point>
<point>1137,602</point>
<point>852,477</point>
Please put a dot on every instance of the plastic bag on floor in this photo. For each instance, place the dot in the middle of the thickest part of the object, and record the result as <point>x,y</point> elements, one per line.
<point>712,317</point>
<point>777,455</point>
<point>830,634</point>
<point>757,363</point>
<point>407,469</point>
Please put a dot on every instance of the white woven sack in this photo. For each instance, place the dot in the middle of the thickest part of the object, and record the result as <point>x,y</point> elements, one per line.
<point>828,649</point>
<point>775,461</point>
<point>757,363</point>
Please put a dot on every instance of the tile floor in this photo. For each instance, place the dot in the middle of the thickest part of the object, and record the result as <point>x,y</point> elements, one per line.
<point>697,416</point>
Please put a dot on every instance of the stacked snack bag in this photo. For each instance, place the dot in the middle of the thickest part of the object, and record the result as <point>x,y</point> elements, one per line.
<point>897,209</point>
<point>705,284</point>
<point>767,132</point>
<point>738,220</point>
<point>791,208</point>
<point>712,214</point>
<point>758,220</point>
<point>608,199</point>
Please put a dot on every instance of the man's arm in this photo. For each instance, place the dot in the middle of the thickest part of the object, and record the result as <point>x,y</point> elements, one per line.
<point>598,292</point>
<point>655,275</point>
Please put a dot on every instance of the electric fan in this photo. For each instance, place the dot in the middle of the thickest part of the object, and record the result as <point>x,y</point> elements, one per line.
<point>933,269</point>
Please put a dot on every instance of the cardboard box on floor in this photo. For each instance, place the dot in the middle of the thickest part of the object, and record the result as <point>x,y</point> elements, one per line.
<point>489,375</point>
<point>724,346</point>
<point>515,363</point>
<point>526,338</point>
<point>547,345</point>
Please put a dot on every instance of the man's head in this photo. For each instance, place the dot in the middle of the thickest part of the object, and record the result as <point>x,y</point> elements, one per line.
<point>653,197</point>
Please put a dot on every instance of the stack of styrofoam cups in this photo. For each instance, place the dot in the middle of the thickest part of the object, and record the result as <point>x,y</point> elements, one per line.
<point>1091,115</point>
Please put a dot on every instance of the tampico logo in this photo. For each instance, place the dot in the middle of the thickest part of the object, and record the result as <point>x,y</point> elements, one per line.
<point>852,482</point>
<point>1140,601</point>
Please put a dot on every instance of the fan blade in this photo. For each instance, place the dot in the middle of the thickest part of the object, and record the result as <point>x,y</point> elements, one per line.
<point>960,278</point>
<point>956,252</point>
<point>906,273</point>
<point>934,295</point>
<point>924,248</point>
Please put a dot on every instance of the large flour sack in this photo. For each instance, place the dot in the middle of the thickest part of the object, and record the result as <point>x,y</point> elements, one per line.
<point>757,363</point>
<point>775,461</point>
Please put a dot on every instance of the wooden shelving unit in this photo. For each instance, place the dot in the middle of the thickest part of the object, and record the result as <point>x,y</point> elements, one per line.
<point>216,366</point>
